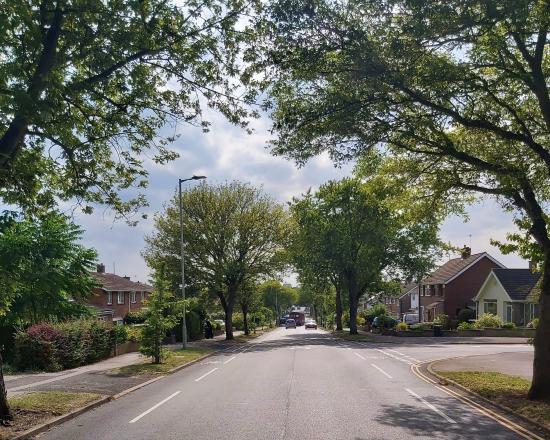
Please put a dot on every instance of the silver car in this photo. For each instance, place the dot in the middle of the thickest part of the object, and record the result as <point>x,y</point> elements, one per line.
<point>290,323</point>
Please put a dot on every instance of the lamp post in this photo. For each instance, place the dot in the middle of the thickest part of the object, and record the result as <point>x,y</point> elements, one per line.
<point>183,325</point>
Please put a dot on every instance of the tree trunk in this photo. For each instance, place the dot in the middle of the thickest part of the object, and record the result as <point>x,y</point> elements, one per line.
<point>228,324</point>
<point>338,309</point>
<point>540,386</point>
<point>353,295</point>
<point>245,321</point>
<point>5,413</point>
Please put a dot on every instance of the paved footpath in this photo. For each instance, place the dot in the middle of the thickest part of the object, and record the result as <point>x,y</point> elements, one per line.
<point>96,378</point>
<point>295,385</point>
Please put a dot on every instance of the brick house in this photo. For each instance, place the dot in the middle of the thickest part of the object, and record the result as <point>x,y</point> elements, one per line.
<point>454,285</point>
<point>117,295</point>
<point>408,300</point>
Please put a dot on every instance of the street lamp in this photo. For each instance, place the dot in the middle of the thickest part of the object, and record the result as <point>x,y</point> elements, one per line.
<point>183,326</point>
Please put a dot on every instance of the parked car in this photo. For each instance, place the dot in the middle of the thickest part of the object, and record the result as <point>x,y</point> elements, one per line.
<point>385,321</point>
<point>290,323</point>
<point>311,324</point>
<point>282,321</point>
<point>410,318</point>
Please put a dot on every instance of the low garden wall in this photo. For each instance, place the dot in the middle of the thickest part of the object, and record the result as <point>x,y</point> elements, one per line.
<point>487,332</point>
<point>126,347</point>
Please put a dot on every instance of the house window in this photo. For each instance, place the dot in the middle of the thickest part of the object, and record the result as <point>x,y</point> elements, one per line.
<point>120,298</point>
<point>142,296</point>
<point>490,306</point>
<point>133,297</point>
<point>509,312</point>
<point>109,298</point>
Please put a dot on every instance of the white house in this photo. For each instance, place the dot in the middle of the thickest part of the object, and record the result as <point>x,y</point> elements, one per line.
<point>511,294</point>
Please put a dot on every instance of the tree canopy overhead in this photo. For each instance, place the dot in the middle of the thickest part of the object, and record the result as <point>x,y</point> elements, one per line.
<point>86,86</point>
<point>456,90</point>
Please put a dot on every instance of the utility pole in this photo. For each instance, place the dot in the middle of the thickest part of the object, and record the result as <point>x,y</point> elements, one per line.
<point>183,325</point>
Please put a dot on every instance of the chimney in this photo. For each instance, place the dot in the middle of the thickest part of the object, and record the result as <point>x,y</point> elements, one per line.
<point>100,268</point>
<point>126,277</point>
<point>466,252</point>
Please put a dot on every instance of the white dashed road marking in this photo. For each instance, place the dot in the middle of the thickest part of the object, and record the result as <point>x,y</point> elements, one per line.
<point>154,407</point>
<point>429,405</point>
<point>206,374</point>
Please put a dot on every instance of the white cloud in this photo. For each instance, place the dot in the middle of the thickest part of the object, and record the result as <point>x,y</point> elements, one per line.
<point>227,153</point>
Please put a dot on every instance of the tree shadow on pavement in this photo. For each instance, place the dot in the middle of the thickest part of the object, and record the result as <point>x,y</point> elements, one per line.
<point>424,422</point>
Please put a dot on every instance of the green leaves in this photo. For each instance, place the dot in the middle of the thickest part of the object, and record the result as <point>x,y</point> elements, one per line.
<point>82,109</point>
<point>44,270</point>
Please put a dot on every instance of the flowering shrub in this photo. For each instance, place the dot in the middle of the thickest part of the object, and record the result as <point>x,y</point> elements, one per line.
<point>465,326</point>
<point>488,320</point>
<point>52,347</point>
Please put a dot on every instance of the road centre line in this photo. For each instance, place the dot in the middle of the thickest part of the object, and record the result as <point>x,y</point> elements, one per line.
<point>358,355</point>
<point>429,405</point>
<point>154,407</point>
<point>206,374</point>
<point>381,371</point>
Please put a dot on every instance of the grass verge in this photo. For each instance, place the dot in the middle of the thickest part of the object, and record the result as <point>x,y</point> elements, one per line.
<point>35,408</point>
<point>509,391</point>
<point>252,335</point>
<point>345,335</point>
<point>173,359</point>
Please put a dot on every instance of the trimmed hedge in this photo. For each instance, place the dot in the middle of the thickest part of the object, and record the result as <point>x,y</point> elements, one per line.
<point>53,347</point>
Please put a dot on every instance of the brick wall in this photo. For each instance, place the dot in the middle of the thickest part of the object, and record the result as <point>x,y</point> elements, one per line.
<point>99,298</point>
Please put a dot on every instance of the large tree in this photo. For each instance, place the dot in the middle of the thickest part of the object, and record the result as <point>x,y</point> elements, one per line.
<point>86,86</point>
<point>456,90</point>
<point>43,270</point>
<point>351,231</point>
<point>233,233</point>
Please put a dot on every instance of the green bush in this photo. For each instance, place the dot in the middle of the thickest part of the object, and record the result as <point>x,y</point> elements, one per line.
<point>121,334</point>
<point>534,323</point>
<point>422,326</point>
<point>508,325</point>
<point>361,321</point>
<point>466,326</point>
<point>401,326</point>
<point>134,318</point>
<point>34,353</point>
<point>238,321</point>
<point>66,345</point>
<point>488,320</point>
<point>466,315</point>
<point>376,310</point>
<point>134,333</point>
<point>194,325</point>
<point>442,320</point>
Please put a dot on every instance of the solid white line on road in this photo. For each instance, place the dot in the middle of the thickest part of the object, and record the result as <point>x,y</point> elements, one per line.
<point>429,405</point>
<point>381,371</point>
<point>154,407</point>
<point>205,374</point>
<point>358,355</point>
<point>229,360</point>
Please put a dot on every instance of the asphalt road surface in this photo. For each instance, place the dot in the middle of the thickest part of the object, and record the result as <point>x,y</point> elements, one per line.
<point>295,385</point>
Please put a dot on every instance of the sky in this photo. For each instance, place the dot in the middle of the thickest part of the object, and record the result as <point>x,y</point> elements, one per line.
<point>229,153</point>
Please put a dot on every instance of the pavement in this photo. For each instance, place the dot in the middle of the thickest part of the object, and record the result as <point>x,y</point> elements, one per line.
<point>294,385</point>
<point>97,377</point>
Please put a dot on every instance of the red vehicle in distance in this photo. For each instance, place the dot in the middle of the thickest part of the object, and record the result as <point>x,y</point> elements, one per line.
<point>299,317</point>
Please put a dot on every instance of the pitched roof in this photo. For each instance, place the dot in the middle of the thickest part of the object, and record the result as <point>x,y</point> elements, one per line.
<point>112,282</point>
<point>518,283</point>
<point>445,273</point>
<point>407,288</point>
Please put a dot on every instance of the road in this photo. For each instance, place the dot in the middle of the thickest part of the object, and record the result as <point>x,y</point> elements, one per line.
<point>295,384</point>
